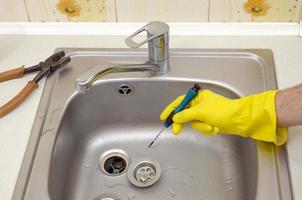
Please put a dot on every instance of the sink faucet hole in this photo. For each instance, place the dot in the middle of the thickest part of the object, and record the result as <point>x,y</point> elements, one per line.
<point>114,162</point>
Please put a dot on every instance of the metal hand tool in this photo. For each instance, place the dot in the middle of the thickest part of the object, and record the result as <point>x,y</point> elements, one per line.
<point>50,65</point>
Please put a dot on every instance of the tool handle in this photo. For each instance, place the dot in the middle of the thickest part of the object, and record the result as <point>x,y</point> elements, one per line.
<point>191,94</point>
<point>18,99</point>
<point>12,74</point>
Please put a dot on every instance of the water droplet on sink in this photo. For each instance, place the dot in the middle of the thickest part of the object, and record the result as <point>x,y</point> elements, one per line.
<point>181,174</point>
<point>131,196</point>
<point>172,194</point>
<point>168,168</point>
<point>113,183</point>
<point>189,174</point>
<point>225,149</point>
<point>228,180</point>
<point>184,182</point>
<point>230,188</point>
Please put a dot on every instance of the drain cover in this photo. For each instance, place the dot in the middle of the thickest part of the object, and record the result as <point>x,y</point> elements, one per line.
<point>107,196</point>
<point>144,173</point>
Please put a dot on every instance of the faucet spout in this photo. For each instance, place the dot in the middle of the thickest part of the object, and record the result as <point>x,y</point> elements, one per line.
<point>85,81</point>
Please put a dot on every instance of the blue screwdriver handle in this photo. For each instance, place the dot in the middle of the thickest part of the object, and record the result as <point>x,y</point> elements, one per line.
<point>191,94</point>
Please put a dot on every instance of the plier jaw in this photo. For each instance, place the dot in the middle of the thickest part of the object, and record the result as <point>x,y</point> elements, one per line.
<point>51,64</point>
<point>50,67</point>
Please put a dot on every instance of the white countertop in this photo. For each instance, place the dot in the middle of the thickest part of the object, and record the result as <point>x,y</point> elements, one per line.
<point>16,50</point>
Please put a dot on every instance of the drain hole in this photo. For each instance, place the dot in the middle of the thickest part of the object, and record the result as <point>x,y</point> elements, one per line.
<point>115,165</point>
<point>125,89</point>
<point>114,162</point>
<point>107,196</point>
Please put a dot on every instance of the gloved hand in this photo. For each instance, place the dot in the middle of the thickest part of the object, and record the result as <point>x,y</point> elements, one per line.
<point>252,116</point>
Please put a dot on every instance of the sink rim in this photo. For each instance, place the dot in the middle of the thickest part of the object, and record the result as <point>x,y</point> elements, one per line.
<point>35,139</point>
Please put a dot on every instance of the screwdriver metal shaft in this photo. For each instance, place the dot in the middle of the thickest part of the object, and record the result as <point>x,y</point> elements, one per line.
<point>156,137</point>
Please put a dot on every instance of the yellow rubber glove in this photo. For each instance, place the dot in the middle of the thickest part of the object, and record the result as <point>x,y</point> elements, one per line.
<point>252,116</point>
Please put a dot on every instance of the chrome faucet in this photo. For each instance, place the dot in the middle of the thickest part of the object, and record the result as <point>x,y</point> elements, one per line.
<point>158,50</point>
<point>158,43</point>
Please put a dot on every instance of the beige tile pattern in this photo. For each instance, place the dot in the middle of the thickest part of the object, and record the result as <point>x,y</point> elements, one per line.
<point>204,11</point>
<point>91,11</point>
<point>13,10</point>
<point>228,11</point>
<point>280,11</point>
<point>147,10</point>
<point>167,10</point>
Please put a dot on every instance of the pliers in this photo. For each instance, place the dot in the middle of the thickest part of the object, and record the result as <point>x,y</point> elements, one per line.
<point>47,67</point>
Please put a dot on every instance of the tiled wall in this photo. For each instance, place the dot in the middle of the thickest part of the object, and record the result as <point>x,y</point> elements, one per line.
<point>147,10</point>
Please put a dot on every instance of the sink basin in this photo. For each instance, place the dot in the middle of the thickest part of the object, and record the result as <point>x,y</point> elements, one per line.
<point>93,146</point>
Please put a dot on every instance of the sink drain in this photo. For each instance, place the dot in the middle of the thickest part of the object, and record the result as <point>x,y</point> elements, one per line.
<point>144,173</point>
<point>107,196</point>
<point>114,162</point>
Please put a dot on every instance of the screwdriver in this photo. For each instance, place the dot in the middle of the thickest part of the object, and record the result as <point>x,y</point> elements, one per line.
<point>191,94</point>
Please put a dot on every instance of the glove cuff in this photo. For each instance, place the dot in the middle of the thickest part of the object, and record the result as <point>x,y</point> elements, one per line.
<point>265,122</point>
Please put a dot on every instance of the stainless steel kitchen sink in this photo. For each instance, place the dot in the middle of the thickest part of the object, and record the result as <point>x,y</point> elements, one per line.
<point>93,146</point>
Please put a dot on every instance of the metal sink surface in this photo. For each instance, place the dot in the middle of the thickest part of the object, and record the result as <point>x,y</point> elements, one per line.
<point>74,133</point>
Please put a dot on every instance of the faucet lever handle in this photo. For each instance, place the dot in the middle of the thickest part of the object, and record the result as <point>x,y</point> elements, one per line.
<point>154,29</point>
